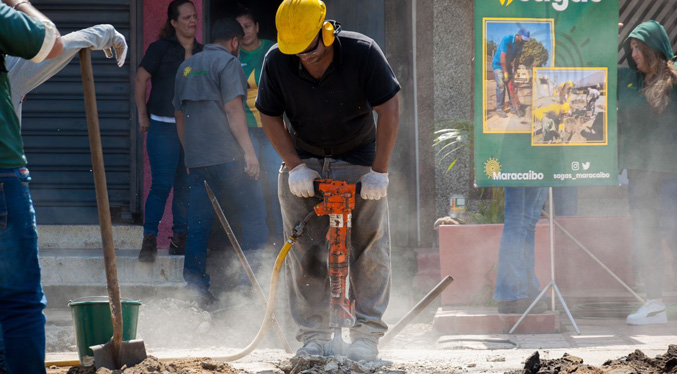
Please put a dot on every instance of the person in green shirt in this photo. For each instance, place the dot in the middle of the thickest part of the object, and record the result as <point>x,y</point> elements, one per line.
<point>647,111</point>
<point>252,53</point>
<point>25,33</point>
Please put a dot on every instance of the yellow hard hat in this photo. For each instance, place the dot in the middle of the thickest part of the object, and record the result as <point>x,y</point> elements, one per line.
<point>298,22</point>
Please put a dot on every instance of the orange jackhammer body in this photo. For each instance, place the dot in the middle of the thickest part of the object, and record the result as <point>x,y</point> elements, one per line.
<point>338,203</point>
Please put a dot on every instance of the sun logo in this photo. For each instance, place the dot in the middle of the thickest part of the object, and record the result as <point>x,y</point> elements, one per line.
<point>492,166</point>
<point>187,71</point>
<point>505,2</point>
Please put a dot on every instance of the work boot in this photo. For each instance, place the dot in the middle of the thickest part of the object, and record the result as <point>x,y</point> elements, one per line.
<point>177,244</point>
<point>363,350</point>
<point>148,248</point>
<point>501,114</point>
<point>315,347</point>
<point>518,112</point>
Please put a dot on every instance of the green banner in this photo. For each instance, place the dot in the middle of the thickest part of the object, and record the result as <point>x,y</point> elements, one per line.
<point>545,92</point>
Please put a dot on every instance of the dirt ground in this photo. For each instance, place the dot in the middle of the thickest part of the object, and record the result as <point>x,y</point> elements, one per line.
<point>182,338</point>
<point>634,363</point>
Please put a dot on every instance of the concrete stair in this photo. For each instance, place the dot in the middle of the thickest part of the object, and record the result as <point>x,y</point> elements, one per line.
<point>72,264</point>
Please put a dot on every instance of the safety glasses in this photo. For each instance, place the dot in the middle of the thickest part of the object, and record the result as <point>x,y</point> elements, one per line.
<point>312,49</point>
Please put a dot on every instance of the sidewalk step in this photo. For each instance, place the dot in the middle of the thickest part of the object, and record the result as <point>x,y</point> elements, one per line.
<point>86,267</point>
<point>472,321</point>
<point>68,274</point>
<point>88,236</point>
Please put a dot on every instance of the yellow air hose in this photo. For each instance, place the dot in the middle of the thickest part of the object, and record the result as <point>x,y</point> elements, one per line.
<point>298,230</point>
<point>267,319</point>
<point>270,307</point>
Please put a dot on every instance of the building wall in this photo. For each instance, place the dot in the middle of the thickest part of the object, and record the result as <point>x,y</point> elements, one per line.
<point>154,18</point>
<point>452,67</point>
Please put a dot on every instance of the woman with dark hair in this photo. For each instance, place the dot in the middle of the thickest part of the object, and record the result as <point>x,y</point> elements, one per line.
<point>159,65</point>
<point>647,110</point>
<point>252,51</point>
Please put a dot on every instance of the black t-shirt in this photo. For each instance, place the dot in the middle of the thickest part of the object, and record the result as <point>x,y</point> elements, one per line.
<point>162,60</point>
<point>336,108</point>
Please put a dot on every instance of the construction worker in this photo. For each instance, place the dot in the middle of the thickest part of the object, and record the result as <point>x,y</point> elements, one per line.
<point>25,75</point>
<point>209,93</point>
<point>506,57</point>
<point>591,99</point>
<point>564,92</point>
<point>26,33</point>
<point>327,84</point>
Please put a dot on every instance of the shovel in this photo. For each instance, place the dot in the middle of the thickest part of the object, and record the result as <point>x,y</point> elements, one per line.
<point>116,353</point>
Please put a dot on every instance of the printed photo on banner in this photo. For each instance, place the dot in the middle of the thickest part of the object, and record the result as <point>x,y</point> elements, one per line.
<point>569,107</point>
<point>512,48</point>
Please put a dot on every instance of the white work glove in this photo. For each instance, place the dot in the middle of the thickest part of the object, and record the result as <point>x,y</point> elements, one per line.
<point>120,47</point>
<point>301,181</point>
<point>374,185</point>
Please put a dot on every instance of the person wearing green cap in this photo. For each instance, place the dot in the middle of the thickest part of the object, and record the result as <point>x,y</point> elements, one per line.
<point>647,110</point>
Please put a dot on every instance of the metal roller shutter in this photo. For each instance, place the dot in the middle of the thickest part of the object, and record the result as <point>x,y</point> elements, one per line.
<point>55,129</point>
<point>634,12</point>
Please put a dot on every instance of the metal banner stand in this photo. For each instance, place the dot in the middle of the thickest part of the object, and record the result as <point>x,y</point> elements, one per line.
<point>555,290</point>
<point>552,283</point>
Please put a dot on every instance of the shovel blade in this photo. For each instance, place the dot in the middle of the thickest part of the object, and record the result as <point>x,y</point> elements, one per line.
<point>131,353</point>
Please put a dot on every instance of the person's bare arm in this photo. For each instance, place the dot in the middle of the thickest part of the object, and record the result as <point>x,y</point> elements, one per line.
<point>386,133</point>
<point>504,62</point>
<point>280,139</point>
<point>238,125</point>
<point>28,9</point>
<point>140,82</point>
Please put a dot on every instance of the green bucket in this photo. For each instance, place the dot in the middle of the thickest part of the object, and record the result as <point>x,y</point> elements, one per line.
<point>93,325</point>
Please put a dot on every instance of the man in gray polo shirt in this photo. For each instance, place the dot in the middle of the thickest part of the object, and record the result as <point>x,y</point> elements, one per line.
<point>210,119</point>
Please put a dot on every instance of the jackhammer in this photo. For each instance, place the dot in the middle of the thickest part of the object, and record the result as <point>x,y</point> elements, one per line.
<point>338,201</point>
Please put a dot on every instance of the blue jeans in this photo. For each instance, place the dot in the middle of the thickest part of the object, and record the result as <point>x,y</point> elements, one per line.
<point>167,170</point>
<point>500,89</point>
<point>241,199</point>
<point>516,278</point>
<point>21,297</point>
<point>306,264</point>
<point>653,210</point>
<point>270,163</point>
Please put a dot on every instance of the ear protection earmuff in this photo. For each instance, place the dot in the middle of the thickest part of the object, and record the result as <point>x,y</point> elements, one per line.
<point>330,29</point>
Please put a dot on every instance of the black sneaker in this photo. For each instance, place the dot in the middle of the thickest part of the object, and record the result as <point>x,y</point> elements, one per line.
<point>177,244</point>
<point>148,248</point>
<point>206,299</point>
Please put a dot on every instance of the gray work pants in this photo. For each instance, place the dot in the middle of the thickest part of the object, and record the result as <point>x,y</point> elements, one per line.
<point>306,264</point>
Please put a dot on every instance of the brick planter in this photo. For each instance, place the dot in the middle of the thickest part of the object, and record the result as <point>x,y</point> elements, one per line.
<point>469,253</point>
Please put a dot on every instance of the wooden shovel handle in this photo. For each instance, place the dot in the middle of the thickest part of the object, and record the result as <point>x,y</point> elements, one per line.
<point>102,199</point>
